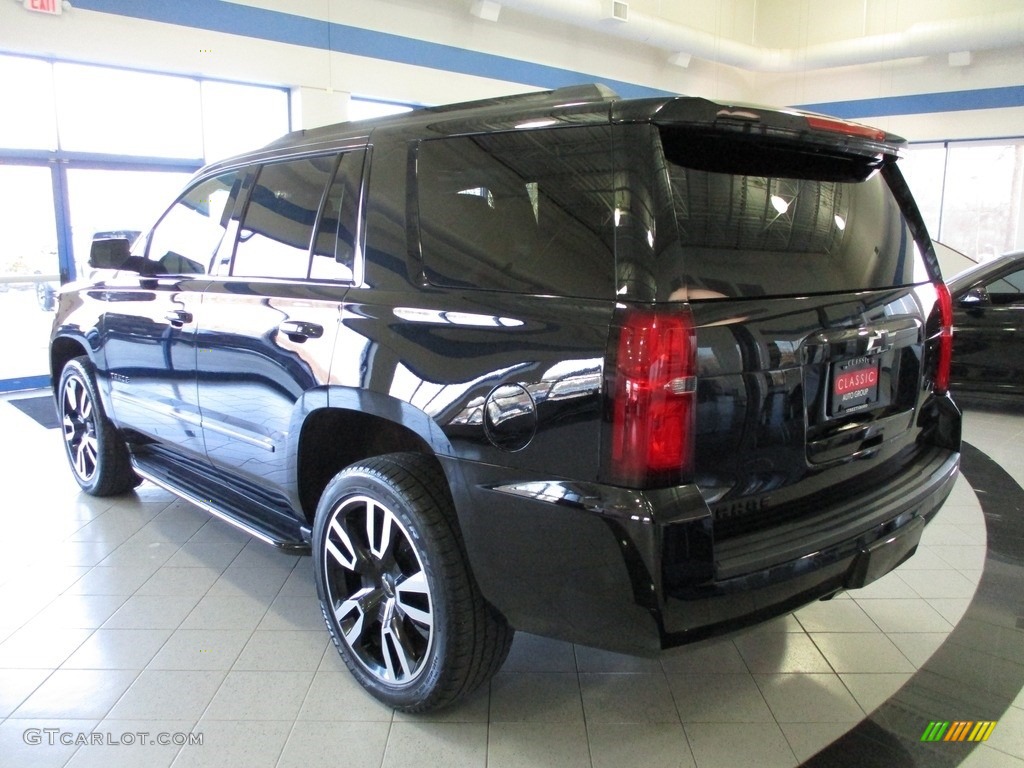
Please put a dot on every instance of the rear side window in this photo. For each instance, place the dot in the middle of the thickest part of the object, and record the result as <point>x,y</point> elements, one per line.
<point>277,229</point>
<point>756,219</point>
<point>528,211</point>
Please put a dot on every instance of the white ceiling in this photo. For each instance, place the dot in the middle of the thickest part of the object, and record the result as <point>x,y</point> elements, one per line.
<point>782,35</point>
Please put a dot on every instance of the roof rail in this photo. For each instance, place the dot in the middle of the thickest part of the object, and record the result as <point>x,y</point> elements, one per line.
<point>582,93</point>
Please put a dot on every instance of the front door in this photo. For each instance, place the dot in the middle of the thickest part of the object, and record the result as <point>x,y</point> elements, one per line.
<point>152,309</point>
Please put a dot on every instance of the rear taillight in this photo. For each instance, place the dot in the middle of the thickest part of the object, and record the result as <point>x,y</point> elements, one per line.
<point>945,360</point>
<point>652,391</point>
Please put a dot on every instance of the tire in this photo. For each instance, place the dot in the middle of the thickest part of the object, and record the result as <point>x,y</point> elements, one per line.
<point>97,455</point>
<point>395,588</point>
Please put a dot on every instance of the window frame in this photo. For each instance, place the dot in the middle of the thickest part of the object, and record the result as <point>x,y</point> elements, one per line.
<point>224,266</point>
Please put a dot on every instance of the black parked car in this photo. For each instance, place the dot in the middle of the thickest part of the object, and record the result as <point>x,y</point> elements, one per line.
<point>988,315</point>
<point>626,373</point>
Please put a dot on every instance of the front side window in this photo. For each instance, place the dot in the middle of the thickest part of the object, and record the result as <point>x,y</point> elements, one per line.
<point>526,211</point>
<point>276,232</point>
<point>187,237</point>
<point>1008,290</point>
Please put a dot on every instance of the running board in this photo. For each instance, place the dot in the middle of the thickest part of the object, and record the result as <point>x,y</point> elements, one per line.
<point>274,538</point>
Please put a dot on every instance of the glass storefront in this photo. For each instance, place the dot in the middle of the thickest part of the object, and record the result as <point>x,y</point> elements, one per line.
<point>89,150</point>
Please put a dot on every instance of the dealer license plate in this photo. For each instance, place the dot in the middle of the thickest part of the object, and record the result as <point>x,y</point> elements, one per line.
<point>854,385</point>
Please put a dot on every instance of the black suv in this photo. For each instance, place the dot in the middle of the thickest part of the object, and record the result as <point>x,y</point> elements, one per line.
<point>626,373</point>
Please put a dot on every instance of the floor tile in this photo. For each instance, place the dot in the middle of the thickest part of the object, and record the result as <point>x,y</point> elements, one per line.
<point>713,698</point>
<point>132,744</point>
<point>314,744</point>
<point>240,611</point>
<point>530,745</point>
<point>627,698</point>
<point>597,660</point>
<point>16,685</point>
<point>39,743</point>
<point>803,698</point>
<point>283,649</point>
<point>73,611</point>
<point>718,656</point>
<point>180,582</point>
<point>294,612</point>
<point>454,745</point>
<point>872,689</point>
<point>789,652</point>
<point>189,649</point>
<point>150,612</point>
<point>118,649</point>
<point>651,745</point>
<point>902,616</point>
<point>77,693</point>
<point>752,745</point>
<point>336,697</point>
<point>237,743</point>
<point>248,695</point>
<point>807,739</point>
<point>207,631</point>
<point>861,652</point>
<point>168,695</point>
<point>836,616</point>
<point>536,697</point>
<point>531,653</point>
<point>40,647</point>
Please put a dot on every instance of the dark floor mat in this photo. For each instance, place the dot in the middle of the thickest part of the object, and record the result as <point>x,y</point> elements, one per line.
<point>39,408</point>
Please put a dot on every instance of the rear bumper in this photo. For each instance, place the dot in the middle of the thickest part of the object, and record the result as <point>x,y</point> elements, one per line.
<point>639,571</point>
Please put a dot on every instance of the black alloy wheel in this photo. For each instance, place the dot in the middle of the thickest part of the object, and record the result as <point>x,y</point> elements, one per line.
<point>396,593</point>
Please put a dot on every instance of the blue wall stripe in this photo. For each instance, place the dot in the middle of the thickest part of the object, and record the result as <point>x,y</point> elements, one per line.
<point>276,26</point>
<point>918,104</point>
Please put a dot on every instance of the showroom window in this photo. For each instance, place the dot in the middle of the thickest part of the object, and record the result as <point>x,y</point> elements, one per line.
<point>970,193</point>
<point>100,150</point>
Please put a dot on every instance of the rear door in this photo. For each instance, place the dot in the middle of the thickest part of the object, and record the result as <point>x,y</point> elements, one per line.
<point>268,328</point>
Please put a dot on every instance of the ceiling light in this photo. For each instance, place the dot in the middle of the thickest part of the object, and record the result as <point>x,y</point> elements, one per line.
<point>488,10</point>
<point>779,204</point>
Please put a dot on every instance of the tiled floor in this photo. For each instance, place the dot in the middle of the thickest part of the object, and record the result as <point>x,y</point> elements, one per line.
<point>144,615</point>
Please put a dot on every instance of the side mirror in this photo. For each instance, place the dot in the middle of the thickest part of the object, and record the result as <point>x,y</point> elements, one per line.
<point>974,298</point>
<point>110,253</point>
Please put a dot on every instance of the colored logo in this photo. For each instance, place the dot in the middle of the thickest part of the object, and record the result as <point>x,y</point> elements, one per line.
<point>958,730</point>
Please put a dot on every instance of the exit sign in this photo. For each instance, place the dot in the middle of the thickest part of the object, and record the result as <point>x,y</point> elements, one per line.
<point>44,6</point>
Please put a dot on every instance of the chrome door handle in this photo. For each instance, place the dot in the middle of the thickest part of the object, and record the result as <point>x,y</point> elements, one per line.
<point>178,317</point>
<point>299,330</point>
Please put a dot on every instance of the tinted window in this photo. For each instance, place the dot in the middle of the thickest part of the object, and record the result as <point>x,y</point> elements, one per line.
<point>1009,289</point>
<point>529,211</point>
<point>756,219</point>
<point>186,239</point>
<point>277,229</point>
<point>335,248</point>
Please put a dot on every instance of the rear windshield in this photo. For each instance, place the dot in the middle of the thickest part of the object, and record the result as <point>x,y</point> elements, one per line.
<point>754,219</point>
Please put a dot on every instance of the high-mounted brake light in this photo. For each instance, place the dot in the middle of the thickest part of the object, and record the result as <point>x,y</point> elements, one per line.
<point>945,360</point>
<point>835,125</point>
<point>653,399</point>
